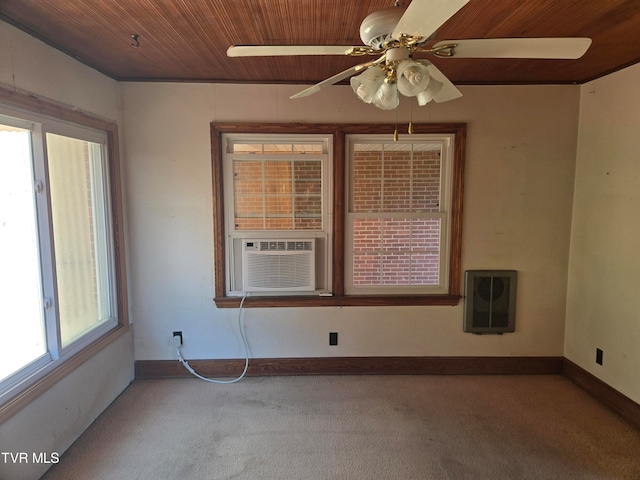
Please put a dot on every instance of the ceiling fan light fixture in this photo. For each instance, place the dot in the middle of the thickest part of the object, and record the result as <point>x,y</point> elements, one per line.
<point>396,33</point>
<point>429,93</point>
<point>386,97</point>
<point>413,78</point>
<point>367,83</point>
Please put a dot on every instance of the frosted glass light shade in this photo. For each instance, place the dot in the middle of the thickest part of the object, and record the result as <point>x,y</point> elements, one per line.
<point>386,97</point>
<point>428,94</point>
<point>413,77</point>
<point>367,83</point>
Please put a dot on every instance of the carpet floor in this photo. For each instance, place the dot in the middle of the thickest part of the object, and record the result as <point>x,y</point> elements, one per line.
<point>355,427</point>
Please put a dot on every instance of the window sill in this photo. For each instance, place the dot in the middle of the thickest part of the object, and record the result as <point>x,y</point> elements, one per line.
<point>337,301</point>
<point>16,403</point>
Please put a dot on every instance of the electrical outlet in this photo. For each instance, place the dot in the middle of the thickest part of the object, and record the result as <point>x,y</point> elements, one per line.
<point>599,354</point>
<point>178,334</point>
<point>333,338</point>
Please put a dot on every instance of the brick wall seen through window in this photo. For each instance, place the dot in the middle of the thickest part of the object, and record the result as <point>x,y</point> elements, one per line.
<point>393,187</point>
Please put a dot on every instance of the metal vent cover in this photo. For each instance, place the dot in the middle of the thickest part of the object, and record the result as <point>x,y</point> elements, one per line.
<point>490,301</point>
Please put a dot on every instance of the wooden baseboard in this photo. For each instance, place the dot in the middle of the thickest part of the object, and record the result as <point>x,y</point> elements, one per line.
<point>355,366</point>
<point>619,403</point>
<point>616,401</point>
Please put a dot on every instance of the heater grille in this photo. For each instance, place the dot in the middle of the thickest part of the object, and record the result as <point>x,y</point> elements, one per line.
<point>490,301</point>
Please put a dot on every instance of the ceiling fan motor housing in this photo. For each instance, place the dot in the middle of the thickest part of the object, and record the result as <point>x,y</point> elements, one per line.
<point>377,27</point>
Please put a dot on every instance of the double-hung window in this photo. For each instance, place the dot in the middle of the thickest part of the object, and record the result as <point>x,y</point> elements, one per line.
<point>59,283</point>
<point>278,219</point>
<point>398,214</point>
<point>385,216</point>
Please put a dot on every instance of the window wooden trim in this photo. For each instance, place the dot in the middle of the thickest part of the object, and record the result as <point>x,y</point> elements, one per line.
<point>339,132</point>
<point>34,104</point>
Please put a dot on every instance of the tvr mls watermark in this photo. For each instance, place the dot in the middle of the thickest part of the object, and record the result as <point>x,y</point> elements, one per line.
<point>30,457</point>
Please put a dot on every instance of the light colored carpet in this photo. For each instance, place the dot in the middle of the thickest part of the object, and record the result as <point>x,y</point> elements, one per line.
<point>355,427</point>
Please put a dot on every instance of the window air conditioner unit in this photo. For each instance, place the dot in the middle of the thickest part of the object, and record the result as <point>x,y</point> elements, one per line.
<point>278,265</point>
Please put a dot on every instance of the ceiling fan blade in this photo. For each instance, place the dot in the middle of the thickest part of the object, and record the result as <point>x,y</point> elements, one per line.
<point>448,90</point>
<point>552,48</point>
<point>284,50</point>
<point>423,17</point>
<point>335,79</point>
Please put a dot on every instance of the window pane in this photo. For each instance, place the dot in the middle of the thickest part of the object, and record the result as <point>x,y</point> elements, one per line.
<point>425,176</point>
<point>366,269</point>
<point>243,170</point>
<point>367,234</point>
<point>280,170</point>
<point>307,148</point>
<point>249,223</point>
<point>396,178</point>
<point>278,186</point>
<point>308,223</point>
<point>367,164</point>
<point>396,235</point>
<point>248,187</point>
<point>248,206</point>
<point>307,187</point>
<point>277,148</point>
<point>278,223</point>
<point>247,148</point>
<point>425,257</point>
<point>396,269</point>
<point>399,183</point>
<point>425,268</point>
<point>426,234</point>
<point>366,194</point>
<point>396,195</point>
<point>308,206</point>
<point>21,317</point>
<point>79,230</point>
<point>397,161</point>
<point>277,194</point>
<point>278,205</point>
<point>396,251</point>
<point>307,170</point>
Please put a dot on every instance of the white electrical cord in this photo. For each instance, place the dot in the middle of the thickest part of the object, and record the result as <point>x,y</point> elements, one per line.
<point>246,350</point>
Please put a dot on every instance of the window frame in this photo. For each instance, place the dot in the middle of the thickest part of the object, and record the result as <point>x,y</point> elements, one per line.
<point>339,298</point>
<point>232,233</point>
<point>444,214</point>
<point>65,120</point>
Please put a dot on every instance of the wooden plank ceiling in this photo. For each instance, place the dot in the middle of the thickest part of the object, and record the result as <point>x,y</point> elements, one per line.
<point>186,40</point>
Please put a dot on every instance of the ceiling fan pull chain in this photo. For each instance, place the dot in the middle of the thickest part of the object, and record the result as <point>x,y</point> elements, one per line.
<point>410,129</point>
<point>395,132</point>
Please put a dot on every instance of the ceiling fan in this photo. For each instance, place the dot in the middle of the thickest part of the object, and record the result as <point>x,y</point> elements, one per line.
<point>394,34</point>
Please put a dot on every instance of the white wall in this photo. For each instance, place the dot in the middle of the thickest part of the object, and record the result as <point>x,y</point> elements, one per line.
<point>52,422</point>
<point>518,200</point>
<point>29,64</point>
<point>603,308</point>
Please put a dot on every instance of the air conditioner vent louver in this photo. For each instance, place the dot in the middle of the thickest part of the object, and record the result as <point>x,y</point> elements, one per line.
<point>272,246</point>
<point>278,265</point>
<point>306,245</point>
<point>287,245</point>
